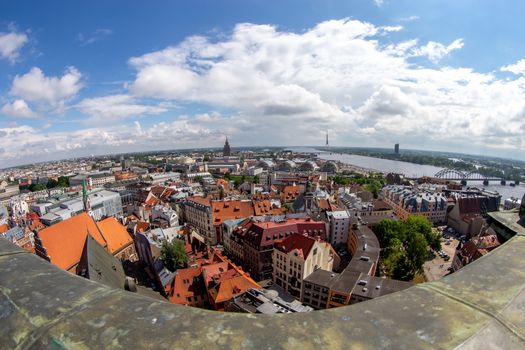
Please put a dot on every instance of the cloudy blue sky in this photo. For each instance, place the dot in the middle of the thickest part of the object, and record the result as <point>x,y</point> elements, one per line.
<point>96,77</point>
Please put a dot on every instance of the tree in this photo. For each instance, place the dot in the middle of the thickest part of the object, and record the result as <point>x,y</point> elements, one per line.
<point>36,187</point>
<point>420,224</point>
<point>388,230</point>
<point>256,179</point>
<point>52,183</point>
<point>63,181</point>
<point>173,255</point>
<point>227,176</point>
<point>404,245</point>
<point>374,186</point>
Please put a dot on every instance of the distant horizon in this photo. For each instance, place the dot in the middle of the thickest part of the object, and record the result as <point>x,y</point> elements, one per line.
<point>234,148</point>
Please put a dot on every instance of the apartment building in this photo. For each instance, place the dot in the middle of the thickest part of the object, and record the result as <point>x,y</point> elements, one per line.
<point>408,201</point>
<point>253,241</point>
<point>339,223</point>
<point>296,257</point>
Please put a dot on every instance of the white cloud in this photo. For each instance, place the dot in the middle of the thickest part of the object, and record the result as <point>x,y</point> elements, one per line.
<point>379,3</point>
<point>18,108</point>
<point>285,88</point>
<point>11,43</point>
<point>516,68</point>
<point>23,144</point>
<point>409,18</point>
<point>35,87</point>
<point>436,51</point>
<point>336,76</point>
<point>98,35</point>
<point>114,108</point>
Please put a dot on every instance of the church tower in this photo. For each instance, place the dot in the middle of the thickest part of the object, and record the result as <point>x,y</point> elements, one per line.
<point>226,151</point>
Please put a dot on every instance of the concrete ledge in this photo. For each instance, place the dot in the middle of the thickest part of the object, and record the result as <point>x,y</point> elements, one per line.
<point>480,307</point>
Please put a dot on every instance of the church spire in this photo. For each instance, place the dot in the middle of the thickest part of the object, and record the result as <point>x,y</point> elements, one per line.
<point>226,151</point>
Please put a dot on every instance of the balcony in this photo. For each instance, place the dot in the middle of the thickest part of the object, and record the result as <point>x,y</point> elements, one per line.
<point>479,307</point>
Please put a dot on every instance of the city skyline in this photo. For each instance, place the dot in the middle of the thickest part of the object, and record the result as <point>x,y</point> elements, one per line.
<point>368,73</point>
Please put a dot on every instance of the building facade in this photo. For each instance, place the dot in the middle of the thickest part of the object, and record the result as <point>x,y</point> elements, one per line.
<point>407,201</point>
<point>296,257</point>
<point>253,241</point>
<point>339,223</point>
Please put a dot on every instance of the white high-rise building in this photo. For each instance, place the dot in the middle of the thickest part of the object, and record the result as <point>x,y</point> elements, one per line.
<point>339,223</point>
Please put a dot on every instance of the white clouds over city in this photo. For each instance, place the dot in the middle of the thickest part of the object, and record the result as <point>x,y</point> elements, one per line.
<point>287,88</point>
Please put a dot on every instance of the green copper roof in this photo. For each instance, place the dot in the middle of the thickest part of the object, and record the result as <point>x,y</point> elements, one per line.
<point>480,307</point>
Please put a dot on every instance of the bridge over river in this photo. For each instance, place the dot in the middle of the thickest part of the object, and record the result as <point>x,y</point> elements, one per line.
<point>464,177</point>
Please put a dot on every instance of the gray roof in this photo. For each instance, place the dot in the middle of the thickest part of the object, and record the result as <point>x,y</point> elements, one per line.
<point>322,278</point>
<point>373,287</point>
<point>101,266</point>
<point>14,234</point>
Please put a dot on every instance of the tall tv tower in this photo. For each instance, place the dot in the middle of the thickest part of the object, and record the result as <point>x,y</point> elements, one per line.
<point>327,139</point>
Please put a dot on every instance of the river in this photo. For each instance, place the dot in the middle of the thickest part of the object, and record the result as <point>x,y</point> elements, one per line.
<point>411,170</point>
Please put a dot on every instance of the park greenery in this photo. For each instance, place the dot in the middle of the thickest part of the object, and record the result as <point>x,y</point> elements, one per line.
<point>173,254</point>
<point>62,181</point>
<point>371,183</point>
<point>405,246</point>
<point>239,179</point>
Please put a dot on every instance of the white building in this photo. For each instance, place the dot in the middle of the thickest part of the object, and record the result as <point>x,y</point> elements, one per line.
<point>158,178</point>
<point>339,224</point>
<point>296,257</point>
<point>166,214</point>
<point>103,204</point>
<point>18,207</point>
<point>511,203</point>
<point>254,171</point>
<point>98,179</point>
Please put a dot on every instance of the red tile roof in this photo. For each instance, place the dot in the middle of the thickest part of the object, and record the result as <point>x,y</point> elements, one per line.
<point>225,185</point>
<point>296,242</point>
<point>115,234</point>
<point>151,201</point>
<point>65,240</point>
<point>269,232</point>
<point>142,226</point>
<point>290,193</point>
<point>185,286</point>
<point>206,201</point>
<point>324,204</point>
<point>162,192</point>
<point>225,280</point>
<point>264,207</point>
<point>228,210</point>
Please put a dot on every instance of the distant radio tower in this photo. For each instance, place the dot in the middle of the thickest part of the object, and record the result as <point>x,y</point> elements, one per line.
<point>327,139</point>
